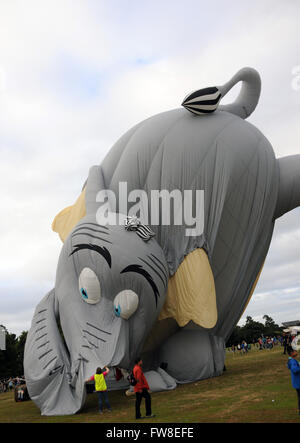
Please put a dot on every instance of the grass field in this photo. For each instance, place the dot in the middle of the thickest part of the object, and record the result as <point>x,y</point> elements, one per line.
<point>255,388</point>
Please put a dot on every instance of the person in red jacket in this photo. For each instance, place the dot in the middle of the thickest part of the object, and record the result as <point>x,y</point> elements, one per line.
<point>141,390</point>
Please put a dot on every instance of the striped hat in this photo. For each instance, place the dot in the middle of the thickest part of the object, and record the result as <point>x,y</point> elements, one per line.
<point>134,224</point>
<point>203,101</point>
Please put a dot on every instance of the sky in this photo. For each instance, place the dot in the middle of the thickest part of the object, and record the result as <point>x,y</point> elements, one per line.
<point>76,74</point>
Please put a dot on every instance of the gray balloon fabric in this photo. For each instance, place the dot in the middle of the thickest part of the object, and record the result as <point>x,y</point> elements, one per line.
<point>107,329</point>
<point>111,284</point>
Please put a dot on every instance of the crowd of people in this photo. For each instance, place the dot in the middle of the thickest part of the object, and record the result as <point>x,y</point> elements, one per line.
<point>8,384</point>
<point>16,384</point>
<point>284,340</point>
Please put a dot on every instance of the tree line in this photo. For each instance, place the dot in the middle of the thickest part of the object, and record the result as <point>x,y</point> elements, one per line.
<point>11,360</point>
<point>253,330</point>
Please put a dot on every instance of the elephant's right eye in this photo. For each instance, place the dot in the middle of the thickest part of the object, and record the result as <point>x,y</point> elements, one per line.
<point>84,293</point>
<point>89,286</point>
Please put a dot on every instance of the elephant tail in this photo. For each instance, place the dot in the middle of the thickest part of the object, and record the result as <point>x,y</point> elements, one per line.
<point>248,97</point>
<point>46,365</point>
<point>205,101</point>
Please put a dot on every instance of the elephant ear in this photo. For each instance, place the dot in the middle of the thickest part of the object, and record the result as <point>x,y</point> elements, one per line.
<point>47,370</point>
<point>86,203</point>
<point>68,218</point>
<point>191,293</point>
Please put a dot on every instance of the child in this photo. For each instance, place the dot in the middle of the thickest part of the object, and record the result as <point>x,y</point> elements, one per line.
<point>294,367</point>
<point>100,387</point>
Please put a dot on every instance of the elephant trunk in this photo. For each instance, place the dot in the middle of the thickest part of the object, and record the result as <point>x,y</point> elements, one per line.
<point>289,185</point>
<point>55,387</point>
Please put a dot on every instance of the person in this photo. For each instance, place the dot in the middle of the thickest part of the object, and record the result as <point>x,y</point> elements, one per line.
<point>245,346</point>
<point>294,367</point>
<point>239,348</point>
<point>285,343</point>
<point>101,387</point>
<point>20,394</point>
<point>141,390</point>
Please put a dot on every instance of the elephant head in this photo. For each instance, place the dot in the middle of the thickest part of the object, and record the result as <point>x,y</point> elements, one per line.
<point>110,287</point>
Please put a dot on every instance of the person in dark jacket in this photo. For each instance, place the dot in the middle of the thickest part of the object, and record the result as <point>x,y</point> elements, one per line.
<point>294,367</point>
<point>141,390</point>
<point>286,343</point>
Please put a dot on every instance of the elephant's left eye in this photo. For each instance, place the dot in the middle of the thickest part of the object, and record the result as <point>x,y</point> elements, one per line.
<point>125,304</point>
<point>89,286</point>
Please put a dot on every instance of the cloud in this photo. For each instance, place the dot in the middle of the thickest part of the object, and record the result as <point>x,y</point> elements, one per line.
<point>278,290</point>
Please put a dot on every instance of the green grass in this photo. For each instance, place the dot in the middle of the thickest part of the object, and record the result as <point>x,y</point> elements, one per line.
<point>255,388</point>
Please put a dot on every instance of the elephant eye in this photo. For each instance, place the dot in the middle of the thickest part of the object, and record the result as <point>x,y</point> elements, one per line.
<point>125,304</point>
<point>89,286</point>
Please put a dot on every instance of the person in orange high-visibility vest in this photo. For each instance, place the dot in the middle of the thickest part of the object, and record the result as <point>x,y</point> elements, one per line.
<point>100,387</point>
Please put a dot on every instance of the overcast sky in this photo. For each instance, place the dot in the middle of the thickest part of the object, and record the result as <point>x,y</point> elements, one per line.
<point>75,75</point>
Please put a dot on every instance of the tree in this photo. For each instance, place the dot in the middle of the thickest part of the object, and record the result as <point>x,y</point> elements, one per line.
<point>11,360</point>
<point>20,352</point>
<point>234,339</point>
<point>271,327</point>
<point>252,330</point>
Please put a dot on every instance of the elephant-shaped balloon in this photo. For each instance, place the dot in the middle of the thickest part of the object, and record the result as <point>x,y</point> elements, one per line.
<point>173,297</point>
